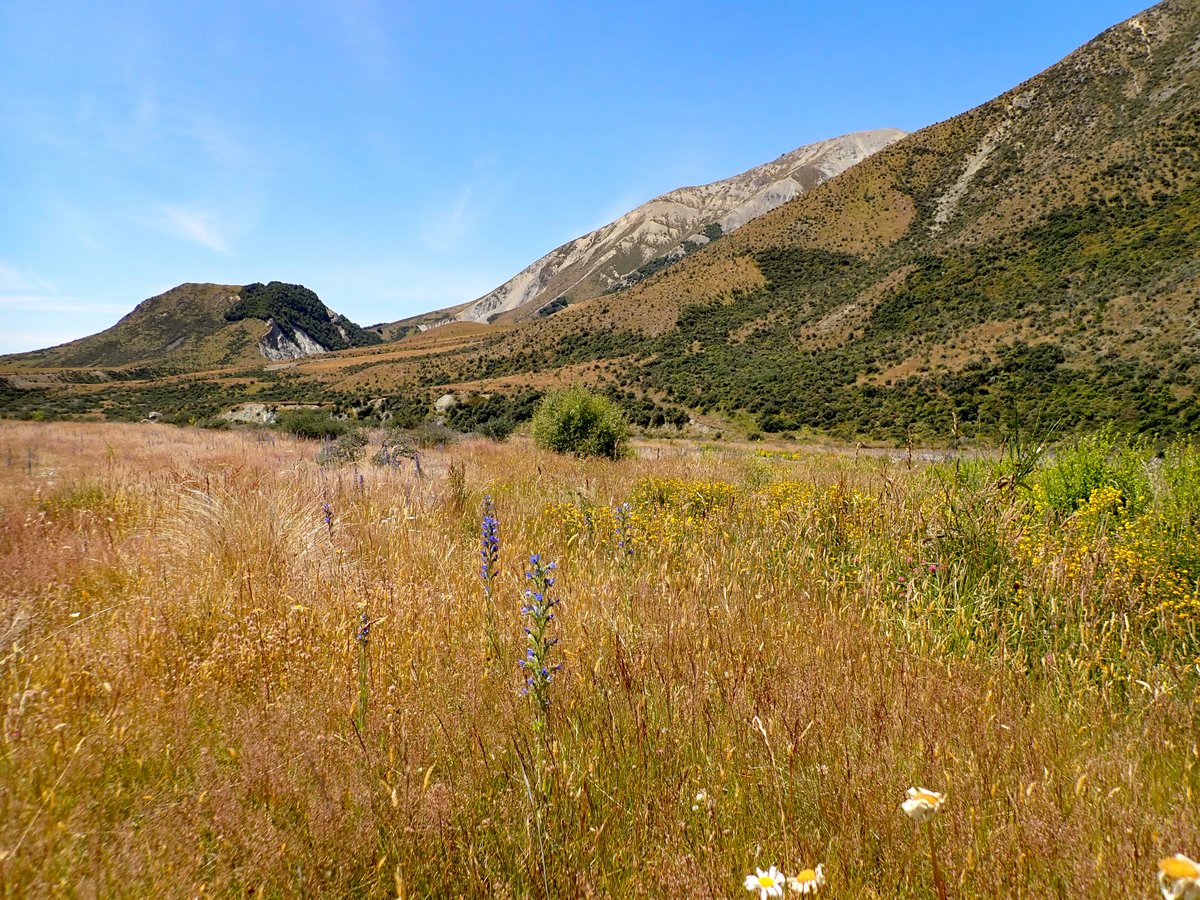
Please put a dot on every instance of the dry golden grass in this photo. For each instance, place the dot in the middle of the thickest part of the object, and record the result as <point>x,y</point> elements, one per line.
<point>181,679</point>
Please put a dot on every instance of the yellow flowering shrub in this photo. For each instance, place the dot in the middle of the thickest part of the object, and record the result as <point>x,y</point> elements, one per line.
<point>692,498</point>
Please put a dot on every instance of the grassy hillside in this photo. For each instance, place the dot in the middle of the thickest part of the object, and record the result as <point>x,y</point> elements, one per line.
<point>196,327</point>
<point>185,324</point>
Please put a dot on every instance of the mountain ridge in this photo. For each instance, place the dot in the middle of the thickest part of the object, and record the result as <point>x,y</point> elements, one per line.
<point>661,231</point>
<point>908,291</point>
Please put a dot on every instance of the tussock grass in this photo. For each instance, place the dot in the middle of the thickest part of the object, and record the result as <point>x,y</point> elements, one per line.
<point>798,639</point>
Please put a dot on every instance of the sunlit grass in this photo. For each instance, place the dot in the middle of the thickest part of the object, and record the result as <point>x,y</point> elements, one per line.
<point>759,656</point>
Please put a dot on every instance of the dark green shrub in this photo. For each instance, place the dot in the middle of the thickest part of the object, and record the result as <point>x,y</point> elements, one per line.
<point>492,415</point>
<point>497,429</point>
<point>577,421</point>
<point>396,447</point>
<point>311,424</point>
<point>430,434</point>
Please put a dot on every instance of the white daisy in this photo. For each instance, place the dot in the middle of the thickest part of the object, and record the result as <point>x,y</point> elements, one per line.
<point>1179,878</point>
<point>768,883</point>
<point>808,881</point>
<point>922,805</point>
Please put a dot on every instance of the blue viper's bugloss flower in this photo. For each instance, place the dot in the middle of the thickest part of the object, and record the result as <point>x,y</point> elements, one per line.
<point>363,635</point>
<point>624,530</point>
<point>539,668</point>
<point>489,543</point>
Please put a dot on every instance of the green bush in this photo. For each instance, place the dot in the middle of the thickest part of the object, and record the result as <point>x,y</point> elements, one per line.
<point>497,429</point>
<point>312,424</point>
<point>1089,462</point>
<point>577,421</point>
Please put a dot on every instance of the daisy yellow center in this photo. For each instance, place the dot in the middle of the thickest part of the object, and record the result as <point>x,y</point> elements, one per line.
<point>928,798</point>
<point>766,881</point>
<point>1174,867</point>
<point>807,875</point>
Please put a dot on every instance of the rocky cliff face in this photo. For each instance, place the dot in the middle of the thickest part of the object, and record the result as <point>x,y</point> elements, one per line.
<point>277,345</point>
<point>667,228</point>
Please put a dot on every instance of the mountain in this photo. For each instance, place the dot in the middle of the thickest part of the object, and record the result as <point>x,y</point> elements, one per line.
<point>196,326</point>
<point>1031,264</point>
<point>1035,260</point>
<point>664,230</point>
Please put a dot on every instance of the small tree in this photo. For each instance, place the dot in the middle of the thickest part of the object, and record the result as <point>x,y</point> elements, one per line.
<point>577,421</point>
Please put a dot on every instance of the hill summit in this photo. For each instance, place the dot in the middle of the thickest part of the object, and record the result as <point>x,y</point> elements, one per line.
<point>195,326</point>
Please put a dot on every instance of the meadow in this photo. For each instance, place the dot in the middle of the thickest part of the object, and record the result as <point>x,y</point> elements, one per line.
<point>230,671</point>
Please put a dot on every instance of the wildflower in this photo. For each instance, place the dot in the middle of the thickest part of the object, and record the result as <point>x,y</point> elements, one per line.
<point>701,799</point>
<point>808,881</point>
<point>623,530</point>
<point>327,510</point>
<point>362,636</point>
<point>1179,878</point>
<point>922,805</point>
<point>768,883</point>
<point>489,543</point>
<point>537,609</point>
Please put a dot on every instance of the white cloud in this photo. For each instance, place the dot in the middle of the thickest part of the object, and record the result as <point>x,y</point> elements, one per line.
<point>195,225</point>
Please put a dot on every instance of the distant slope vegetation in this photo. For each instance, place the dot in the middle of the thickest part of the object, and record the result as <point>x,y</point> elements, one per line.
<point>294,307</point>
<point>203,326</point>
<point>1036,259</point>
<point>186,323</point>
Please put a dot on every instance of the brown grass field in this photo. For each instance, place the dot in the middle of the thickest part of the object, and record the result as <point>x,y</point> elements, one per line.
<point>792,642</point>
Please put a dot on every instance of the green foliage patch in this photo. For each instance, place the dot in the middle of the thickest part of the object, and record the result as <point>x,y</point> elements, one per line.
<point>293,306</point>
<point>312,424</point>
<point>493,415</point>
<point>576,421</point>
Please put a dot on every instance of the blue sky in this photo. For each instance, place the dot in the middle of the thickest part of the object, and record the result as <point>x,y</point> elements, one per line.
<point>401,157</point>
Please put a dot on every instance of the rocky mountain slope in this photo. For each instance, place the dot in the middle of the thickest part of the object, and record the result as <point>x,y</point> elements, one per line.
<point>196,326</point>
<point>666,229</point>
<point>1033,260</point>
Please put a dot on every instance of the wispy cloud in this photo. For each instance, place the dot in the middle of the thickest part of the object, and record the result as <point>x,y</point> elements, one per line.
<point>361,28</point>
<point>13,279</point>
<point>28,308</point>
<point>49,303</point>
<point>194,225</point>
<point>444,230</point>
